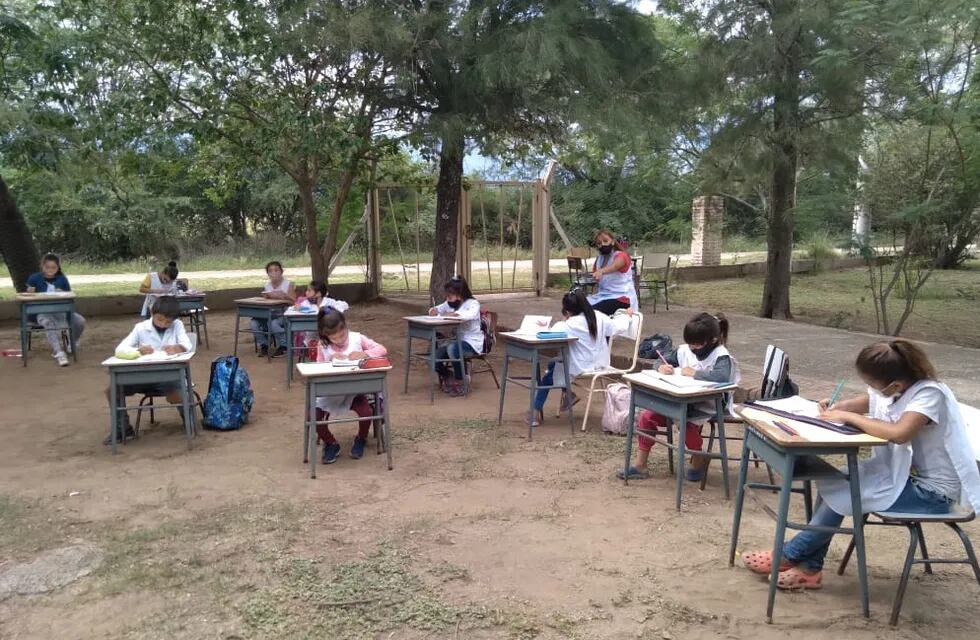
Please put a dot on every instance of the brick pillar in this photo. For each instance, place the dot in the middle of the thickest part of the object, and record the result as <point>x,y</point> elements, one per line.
<point>707,214</point>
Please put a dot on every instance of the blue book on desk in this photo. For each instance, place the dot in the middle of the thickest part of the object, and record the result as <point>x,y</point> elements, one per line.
<point>551,335</point>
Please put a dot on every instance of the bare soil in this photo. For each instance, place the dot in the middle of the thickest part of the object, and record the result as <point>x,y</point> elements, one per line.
<point>476,533</point>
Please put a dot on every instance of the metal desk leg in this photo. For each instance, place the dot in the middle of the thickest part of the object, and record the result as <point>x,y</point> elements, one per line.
<point>856,510</point>
<point>630,430</point>
<point>114,411</point>
<point>311,432</point>
<point>743,471</point>
<point>238,328</point>
<point>204,324</point>
<point>533,387</point>
<point>306,426</point>
<point>23,335</point>
<point>503,389</point>
<point>268,337</point>
<point>681,451</point>
<point>289,351</point>
<point>408,356</point>
<point>185,392</point>
<point>386,424</point>
<point>789,463</point>
<point>722,444</point>
<point>432,366</point>
<point>566,362</point>
<point>71,335</point>
<point>462,361</point>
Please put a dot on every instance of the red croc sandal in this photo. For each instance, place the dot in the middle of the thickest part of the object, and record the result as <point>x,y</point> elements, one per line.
<point>795,579</point>
<point>761,562</point>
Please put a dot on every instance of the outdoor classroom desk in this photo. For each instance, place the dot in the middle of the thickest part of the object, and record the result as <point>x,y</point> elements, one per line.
<point>192,306</point>
<point>648,392</point>
<point>324,379</point>
<point>794,457</point>
<point>61,302</point>
<point>427,328</point>
<point>258,308</point>
<point>175,368</point>
<point>530,349</point>
<point>296,322</point>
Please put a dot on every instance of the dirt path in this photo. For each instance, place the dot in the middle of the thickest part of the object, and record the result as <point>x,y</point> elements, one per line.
<point>476,533</point>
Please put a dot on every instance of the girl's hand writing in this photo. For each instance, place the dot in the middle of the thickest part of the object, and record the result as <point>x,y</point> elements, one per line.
<point>834,415</point>
<point>824,404</point>
<point>666,369</point>
<point>687,371</point>
<point>433,311</point>
<point>146,350</point>
<point>173,349</point>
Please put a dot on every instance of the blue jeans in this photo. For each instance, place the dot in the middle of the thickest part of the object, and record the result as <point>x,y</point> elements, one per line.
<point>278,332</point>
<point>809,548</point>
<point>547,380</point>
<point>451,350</point>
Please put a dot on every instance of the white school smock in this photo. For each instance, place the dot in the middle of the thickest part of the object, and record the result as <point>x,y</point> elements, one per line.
<point>686,358</point>
<point>283,287</point>
<point>145,334</point>
<point>615,285</point>
<point>335,404</point>
<point>469,329</point>
<point>339,305</point>
<point>155,283</point>
<point>587,353</point>
<point>884,475</point>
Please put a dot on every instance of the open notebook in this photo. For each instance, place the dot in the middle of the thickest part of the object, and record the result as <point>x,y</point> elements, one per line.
<point>799,408</point>
<point>531,325</point>
<point>683,382</point>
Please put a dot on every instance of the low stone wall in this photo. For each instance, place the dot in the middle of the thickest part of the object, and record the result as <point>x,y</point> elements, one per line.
<point>221,300</point>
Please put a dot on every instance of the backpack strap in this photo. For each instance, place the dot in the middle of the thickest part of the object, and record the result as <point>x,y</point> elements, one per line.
<point>214,368</point>
<point>231,377</point>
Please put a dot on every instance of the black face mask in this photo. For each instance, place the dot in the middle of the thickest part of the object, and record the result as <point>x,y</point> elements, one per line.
<point>704,351</point>
<point>605,249</point>
<point>455,304</point>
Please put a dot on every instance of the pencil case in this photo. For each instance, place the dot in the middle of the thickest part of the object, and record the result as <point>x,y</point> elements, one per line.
<point>551,335</point>
<point>375,363</point>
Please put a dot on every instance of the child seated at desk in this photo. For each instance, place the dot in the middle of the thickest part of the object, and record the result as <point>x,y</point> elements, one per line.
<point>461,304</point>
<point>927,468</point>
<point>338,342</point>
<point>703,357</point>
<point>158,283</point>
<point>50,279</point>
<point>162,332</point>
<point>313,299</point>
<point>277,288</point>
<point>590,352</point>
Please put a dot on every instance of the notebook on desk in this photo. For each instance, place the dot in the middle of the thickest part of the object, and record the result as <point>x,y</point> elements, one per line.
<point>532,325</point>
<point>803,410</point>
<point>681,381</point>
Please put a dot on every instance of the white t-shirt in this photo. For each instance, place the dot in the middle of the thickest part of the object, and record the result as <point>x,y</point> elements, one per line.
<point>932,467</point>
<point>588,353</point>
<point>469,330</point>
<point>283,287</point>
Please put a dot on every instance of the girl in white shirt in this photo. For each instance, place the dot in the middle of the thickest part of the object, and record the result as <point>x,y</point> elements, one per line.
<point>459,303</point>
<point>157,283</point>
<point>277,288</point>
<point>927,468</point>
<point>590,352</point>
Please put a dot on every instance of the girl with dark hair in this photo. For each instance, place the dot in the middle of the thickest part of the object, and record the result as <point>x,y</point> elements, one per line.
<point>338,342</point>
<point>703,356</point>
<point>277,288</point>
<point>927,468</point>
<point>50,279</point>
<point>459,303</point>
<point>613,272</point>
<point>158,283</point>
<point>588,353</point>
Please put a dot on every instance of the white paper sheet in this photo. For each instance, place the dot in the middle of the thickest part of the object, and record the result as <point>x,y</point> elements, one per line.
<point>531,325</point>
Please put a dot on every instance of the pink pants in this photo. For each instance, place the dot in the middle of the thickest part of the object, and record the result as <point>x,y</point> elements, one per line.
<point>650,421</point>
<point>360,406</point>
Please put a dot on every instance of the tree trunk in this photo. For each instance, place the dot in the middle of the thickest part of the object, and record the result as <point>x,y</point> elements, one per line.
<point>16,243</point>
<point>448,190</point>
<point>308,205</point>
<point>785,138</point>
<point>329,246</point>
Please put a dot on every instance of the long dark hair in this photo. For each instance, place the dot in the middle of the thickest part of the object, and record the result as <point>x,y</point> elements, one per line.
<point>329,321</point>
<point>51,257</point>
<point>896,359</point>
<point>319,286</point>
<point>457,285</point>
<point>171,270</point>
<point>573,303</point>
<point>705,327</point>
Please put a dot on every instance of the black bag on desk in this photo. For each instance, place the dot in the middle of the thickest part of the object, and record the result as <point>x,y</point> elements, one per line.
<point>657,342</point>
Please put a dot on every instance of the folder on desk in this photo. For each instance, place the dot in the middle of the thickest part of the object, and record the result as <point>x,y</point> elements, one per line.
<point>801,410</point>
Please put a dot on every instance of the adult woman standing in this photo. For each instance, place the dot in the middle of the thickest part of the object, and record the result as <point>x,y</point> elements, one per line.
<point>613,271</point>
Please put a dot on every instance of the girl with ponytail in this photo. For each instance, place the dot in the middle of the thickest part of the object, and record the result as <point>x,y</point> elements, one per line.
<point>590,352</point>
<point>927,468</point>
<point>157,283</point>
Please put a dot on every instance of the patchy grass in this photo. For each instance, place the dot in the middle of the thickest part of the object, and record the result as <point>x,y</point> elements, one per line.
<point>945,311</point>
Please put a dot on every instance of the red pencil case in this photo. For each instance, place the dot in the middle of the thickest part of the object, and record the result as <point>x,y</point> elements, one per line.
<point>375,363</point>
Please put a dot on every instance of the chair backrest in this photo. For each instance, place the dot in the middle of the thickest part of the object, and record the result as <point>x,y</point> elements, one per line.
<point>656,260</point>
<point>488,323</point>
<point>971,421</point>
<point>580,252</point>
<point>775,368</point>
<point>634,334</point>
<point>575,263</point>
<point>193,338</point>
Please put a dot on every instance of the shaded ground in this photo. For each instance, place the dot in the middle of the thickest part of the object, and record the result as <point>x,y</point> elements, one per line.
<point>476,533</point>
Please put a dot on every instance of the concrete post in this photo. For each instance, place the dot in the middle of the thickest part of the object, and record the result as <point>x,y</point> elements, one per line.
<point>707,216</point>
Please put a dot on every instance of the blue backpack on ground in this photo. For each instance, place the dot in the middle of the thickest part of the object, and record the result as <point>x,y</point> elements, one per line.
<point>230,395</point>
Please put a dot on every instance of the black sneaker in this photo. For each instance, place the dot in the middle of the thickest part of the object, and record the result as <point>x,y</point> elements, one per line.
<point>330,453</point>
<point>127,434</point>
<point>263,352</point>
<point>280,352</point>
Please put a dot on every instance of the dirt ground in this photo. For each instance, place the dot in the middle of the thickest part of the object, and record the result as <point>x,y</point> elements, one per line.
<point>476,533</point>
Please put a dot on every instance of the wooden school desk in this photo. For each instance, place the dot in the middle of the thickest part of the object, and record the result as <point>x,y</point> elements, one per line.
<point>154,370</point>
<point>534,350</point>
<point>258,308</point>
<point>296,322</point>
<point>794,457</point>
<point>324,379</point>
<point>59,303</point>
<point>427,328</point>
<point>674,402</point>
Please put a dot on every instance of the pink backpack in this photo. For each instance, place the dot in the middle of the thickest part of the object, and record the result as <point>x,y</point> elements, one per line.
<point>616,409</point>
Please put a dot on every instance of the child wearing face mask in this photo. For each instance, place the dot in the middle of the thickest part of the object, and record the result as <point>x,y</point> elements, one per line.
<point>613,273</point>
<point>927,468</point>
<point>338,342</point>
<point>459,303</point>
<point>703,357</point>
